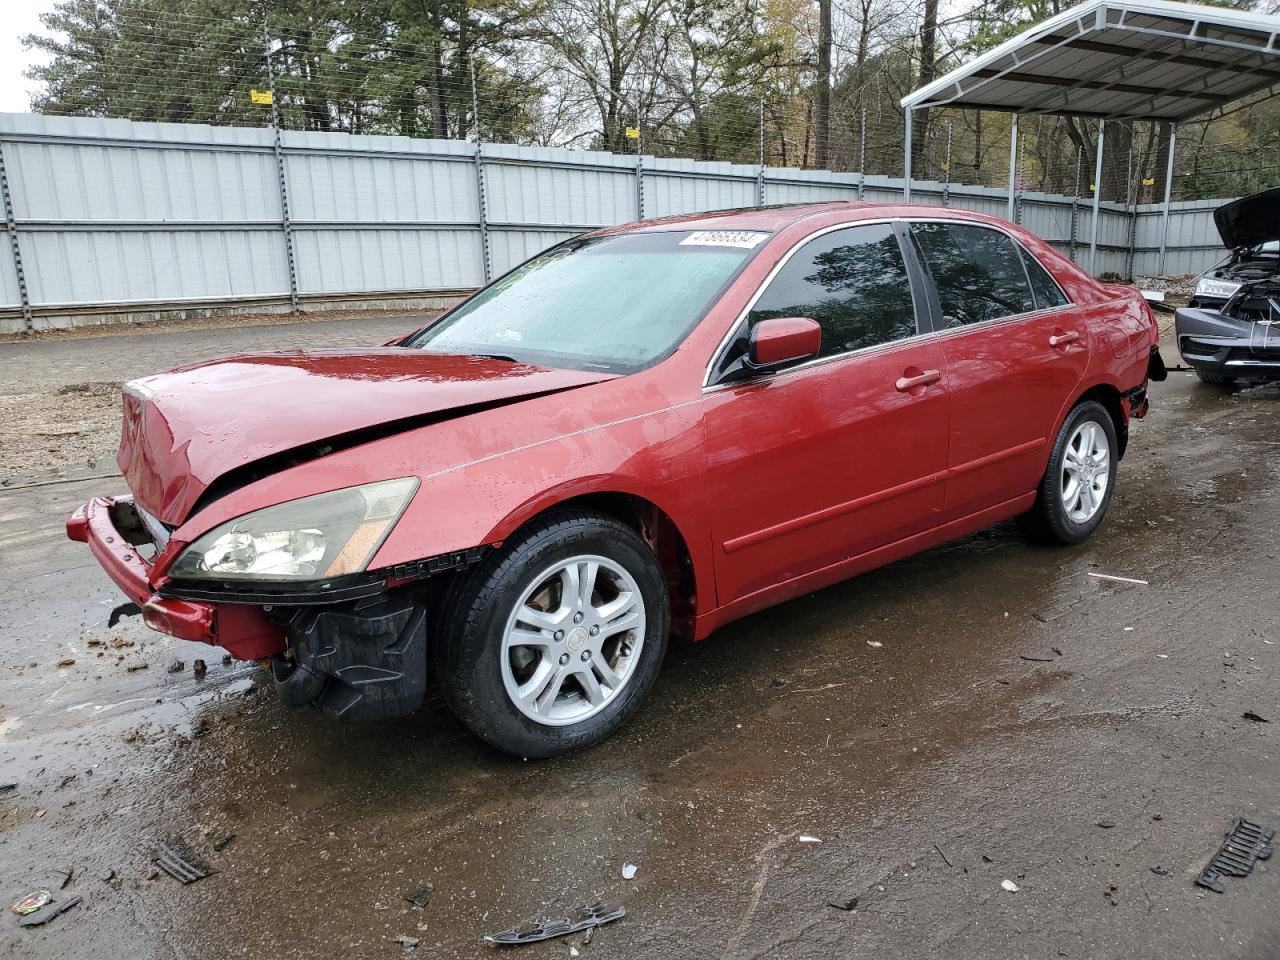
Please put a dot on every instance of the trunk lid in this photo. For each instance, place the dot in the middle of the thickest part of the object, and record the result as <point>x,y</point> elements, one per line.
<point>185,429</point>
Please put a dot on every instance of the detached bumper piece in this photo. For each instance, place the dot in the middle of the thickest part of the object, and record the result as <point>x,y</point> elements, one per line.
<point>1245,844</point>
<point>593,916</point>
<point>365,661</point>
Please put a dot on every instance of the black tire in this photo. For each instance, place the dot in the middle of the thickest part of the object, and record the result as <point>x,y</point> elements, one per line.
<point>468,646</point>
<point>1048,520</point>
<point>1214,379</point>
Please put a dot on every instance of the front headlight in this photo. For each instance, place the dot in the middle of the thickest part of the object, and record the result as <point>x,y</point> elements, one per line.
<point>316,537</point>
<point>1207,287</point>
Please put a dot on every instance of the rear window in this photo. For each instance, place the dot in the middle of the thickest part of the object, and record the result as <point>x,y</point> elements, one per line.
<point>977,271</point>
<point>1047,292</point>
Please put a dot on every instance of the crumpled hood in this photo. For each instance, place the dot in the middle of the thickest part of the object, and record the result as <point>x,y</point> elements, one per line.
<point>186,428</point>
<point>1250,220</point>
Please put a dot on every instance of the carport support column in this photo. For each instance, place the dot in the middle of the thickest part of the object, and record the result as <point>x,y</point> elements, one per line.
<point>11,227</point>
<point>906,157</point>
<point>1168,193</point>
<point>1097,197</point>
<point>291,261</point>
<point>1013,168</point>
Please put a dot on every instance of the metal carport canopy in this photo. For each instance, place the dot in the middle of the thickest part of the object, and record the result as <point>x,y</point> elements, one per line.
<point>1115,60</point>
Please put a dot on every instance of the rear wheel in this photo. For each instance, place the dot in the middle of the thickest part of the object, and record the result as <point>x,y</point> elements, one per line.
<point>552,643</point>
<point>1076,488</point>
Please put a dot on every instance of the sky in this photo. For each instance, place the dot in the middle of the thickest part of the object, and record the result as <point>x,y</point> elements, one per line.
<point>17,19</point>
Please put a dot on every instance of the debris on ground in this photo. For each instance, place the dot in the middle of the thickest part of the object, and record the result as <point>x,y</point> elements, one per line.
<point>809,838</point>
<point>1159,871</point>
<point>44,915</point>
<point>31,902</point>
<point>224,842</point>
<point>175,859</point>
<point>135,667</point>
<point>1036,657</point>
<point>7,788</point>
<point>945,858</point>
<point>68,662</point>
<point>1250,715</point>
<point>1109,894</point>
<point>119,643</point>
<point>409,943</point>
<point>199,668</point>
<point>591,917</point>
<point>1115,579</point>
<point>1244,845</point>
<point>847,904</point>
<point>1009,885</point>
<point>66,881</point>
<point>1106,824</point>
<point>420,895</point>
<point>110,877</point>
<point>874,644</point>
<point>176,666</point>
<point>628,871</point>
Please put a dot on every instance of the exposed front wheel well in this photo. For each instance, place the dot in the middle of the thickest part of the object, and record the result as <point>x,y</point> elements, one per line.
<point>663,536</point>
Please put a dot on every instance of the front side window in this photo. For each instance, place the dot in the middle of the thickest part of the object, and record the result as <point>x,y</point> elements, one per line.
<point>853,282</point>
<point>977,271</point>
<point>616,303</point>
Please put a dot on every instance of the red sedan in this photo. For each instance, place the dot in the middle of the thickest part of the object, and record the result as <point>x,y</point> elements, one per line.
<point>651,428</point>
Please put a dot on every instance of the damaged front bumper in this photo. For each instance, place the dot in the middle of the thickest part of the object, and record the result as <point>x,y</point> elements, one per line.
<point>354,646</point>
<point>118,540</point>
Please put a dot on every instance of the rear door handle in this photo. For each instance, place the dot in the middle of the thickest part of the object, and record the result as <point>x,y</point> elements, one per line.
<point>1062,339</point>
<point>922,379</point>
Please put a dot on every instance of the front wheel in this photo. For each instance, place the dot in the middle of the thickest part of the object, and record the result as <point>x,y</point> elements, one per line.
<point>1076,488</point>
<point>1214,379</point>
<point>553,641</point>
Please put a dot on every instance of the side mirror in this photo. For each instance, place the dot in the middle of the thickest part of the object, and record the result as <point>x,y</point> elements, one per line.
<point>782,340</point>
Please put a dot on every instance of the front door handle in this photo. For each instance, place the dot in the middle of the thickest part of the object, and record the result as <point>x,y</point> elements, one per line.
<point>1062,339</point>
<point>906,384</point>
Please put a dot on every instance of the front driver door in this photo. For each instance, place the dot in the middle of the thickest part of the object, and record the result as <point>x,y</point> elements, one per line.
<point>811,466</point>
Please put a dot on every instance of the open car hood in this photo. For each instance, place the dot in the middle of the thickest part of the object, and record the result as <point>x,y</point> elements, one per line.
<point>185,429</point>
<point>1250,220</point>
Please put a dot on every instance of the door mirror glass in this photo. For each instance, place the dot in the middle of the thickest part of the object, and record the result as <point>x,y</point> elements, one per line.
<point>781,340</point>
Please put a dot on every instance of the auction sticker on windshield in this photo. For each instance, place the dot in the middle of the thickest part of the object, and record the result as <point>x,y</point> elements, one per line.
<point>745,239</point>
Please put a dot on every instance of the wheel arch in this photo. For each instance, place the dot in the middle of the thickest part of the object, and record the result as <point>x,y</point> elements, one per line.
<point>1109,395</point>
<point>655,525</point>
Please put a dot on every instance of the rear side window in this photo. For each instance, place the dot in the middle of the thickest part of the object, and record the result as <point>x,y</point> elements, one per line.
<point>853,282</point>
<point>977,271</point>
<point>1048,293</point>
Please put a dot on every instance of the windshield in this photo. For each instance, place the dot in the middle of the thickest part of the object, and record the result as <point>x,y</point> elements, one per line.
<point>615,303</point>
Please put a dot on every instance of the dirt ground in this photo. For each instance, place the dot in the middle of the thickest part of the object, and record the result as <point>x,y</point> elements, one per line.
<point>1018,720</point>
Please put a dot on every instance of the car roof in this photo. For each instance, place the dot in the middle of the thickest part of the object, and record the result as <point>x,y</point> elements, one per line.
<point>777,217</point>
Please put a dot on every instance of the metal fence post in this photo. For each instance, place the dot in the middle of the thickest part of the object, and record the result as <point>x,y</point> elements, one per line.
<point>639,164</point>
<point>12,227</point>
<point>946,171</point>
<point>906,157</point>
<point>1131,201</point>
<point>1075,205</point>
<point>1168,193</point>
<point>760,167</point>
<point>482,214</point>
<point>1013,168</point>
<point>862,155</point>
<point>285,222</point>
<point>1097,200</point>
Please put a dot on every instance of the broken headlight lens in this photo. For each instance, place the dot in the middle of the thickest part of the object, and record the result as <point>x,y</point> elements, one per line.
<point>326,535</point>
<point>1208,287</point>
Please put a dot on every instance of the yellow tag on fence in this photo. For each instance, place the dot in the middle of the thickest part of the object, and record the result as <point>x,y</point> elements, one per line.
<point>633,133</point>
<point>262,97</point>
<point>1148,181</point>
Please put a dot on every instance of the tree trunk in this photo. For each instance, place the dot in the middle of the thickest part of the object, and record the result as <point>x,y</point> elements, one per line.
<point>928,72</point>
<point>822,126</point>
